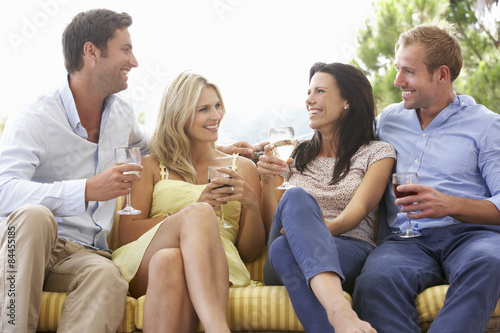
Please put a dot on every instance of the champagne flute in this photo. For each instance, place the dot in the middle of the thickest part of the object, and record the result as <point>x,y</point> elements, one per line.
<point>283,139</point>
<point>402,178</point>
<point>128,155</point>
<point>212,174</point>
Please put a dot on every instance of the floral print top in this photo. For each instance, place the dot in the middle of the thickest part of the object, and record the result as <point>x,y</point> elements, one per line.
<point>334,198</point>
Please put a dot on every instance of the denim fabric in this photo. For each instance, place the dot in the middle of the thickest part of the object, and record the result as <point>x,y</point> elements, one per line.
<point>307,249</point>
<point>465,256</point>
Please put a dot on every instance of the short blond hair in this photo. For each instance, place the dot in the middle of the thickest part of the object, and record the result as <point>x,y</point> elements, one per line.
<point>440,44</point>
<point>170,142</point>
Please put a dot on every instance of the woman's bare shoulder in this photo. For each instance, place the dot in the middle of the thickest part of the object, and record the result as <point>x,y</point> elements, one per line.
<point>149,161</point>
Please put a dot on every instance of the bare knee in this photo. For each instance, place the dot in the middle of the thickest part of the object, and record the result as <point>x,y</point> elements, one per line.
<point>201,214</point>
<point>166,266</point>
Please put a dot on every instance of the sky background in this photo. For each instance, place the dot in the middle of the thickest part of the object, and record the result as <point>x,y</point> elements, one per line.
<point>258,52</point>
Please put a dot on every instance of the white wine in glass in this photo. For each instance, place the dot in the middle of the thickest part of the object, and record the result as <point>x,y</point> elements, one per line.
<point>283,139</point>
<point>128,155</point>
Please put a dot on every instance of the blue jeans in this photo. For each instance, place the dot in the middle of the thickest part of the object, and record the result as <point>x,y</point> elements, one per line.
<point>307,249</point>
<point>464,255</point>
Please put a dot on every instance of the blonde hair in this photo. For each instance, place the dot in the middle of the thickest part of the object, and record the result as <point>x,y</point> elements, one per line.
<point>441,46</point>
<point>170,142</point>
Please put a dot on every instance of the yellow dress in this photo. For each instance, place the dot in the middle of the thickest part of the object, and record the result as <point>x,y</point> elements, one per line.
<point>170,196</point>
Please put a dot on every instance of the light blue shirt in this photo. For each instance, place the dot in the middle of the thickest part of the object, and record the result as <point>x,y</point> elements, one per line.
<point>46,159</point>
<point>458,154</point>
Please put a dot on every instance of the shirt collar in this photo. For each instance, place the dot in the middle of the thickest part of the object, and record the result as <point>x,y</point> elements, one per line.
<point>463,100</point>
<point>69,105</point>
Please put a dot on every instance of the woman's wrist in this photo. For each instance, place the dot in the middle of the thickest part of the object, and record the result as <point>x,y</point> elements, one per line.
<point>253,203</point>
<point>265,181</point>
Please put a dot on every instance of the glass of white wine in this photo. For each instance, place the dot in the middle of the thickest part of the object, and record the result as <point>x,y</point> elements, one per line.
<point>128,155</point>
<point>283,139</point>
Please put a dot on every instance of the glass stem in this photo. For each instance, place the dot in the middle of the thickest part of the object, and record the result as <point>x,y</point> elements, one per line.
<point>128,201</point>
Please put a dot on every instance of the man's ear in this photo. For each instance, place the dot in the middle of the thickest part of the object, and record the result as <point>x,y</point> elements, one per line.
<point>444,73</point>
<point>90,51</point>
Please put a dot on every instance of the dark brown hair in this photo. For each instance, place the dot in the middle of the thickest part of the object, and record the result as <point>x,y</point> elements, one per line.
<point>96,26</point>
<point>354,129</point>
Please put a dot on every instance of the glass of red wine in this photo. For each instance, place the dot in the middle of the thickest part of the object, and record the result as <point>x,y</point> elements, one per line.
<point>402,178</point>
<point>213,173</point>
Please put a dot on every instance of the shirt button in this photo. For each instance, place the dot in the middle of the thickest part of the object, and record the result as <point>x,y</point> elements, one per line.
<point>424,135</point>
<point>416,161</point>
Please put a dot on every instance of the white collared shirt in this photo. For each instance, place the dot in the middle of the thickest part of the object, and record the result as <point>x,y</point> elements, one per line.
<point>46,159</point>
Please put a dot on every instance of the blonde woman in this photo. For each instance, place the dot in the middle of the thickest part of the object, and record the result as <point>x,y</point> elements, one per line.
<point>174,253</point>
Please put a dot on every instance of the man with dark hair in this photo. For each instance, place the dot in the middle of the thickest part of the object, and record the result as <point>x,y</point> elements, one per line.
<point>58,184</point>
<point>454,145</point>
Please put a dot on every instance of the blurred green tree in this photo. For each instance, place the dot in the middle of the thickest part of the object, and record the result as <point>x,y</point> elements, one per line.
<point>480,76</point>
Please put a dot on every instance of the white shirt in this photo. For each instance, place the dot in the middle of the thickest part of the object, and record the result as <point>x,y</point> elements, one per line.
<point>45,158</point>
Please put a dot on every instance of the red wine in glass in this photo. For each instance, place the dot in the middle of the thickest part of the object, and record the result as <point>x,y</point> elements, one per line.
<point>402,178</point>
<point>212,174</point>
<point>402,194</point>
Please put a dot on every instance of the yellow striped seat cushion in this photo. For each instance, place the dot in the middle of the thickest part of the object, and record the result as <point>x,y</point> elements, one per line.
<point>256,268</point>
<point>51,310</point>
<point>431,300</point>
<point>253,309</point>
<point>259,308</point>
<point>52,304</point>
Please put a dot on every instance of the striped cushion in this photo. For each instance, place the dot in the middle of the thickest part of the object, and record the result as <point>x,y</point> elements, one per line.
<point>128,322</point>
<point>52,304</point>
<point>51,310</point>
<point>252,309</point>
<point>431,300</point>
<point>260,308</point>
<point>256,268</point>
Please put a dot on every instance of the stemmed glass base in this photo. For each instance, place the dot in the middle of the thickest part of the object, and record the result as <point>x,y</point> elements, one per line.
<point>224,225</point>
<point>128,210</point>
<point>285,186</point>
<point>409,233</point>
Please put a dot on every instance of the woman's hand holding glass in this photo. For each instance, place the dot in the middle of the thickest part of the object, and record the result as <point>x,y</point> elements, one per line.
<point>231,187</point>
<point>283,140</point>
<point>238,189</point>
<point>270,166</point>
